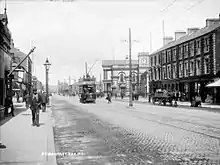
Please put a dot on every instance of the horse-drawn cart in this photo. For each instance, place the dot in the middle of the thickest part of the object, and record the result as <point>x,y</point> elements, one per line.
<point>162,97</point>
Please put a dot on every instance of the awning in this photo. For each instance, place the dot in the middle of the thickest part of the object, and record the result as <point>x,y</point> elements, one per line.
<point>214,84</point>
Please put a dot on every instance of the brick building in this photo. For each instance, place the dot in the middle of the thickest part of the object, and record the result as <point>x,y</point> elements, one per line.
<point>189,63</point>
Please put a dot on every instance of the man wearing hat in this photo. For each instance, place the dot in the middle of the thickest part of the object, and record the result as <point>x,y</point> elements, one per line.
<point>35,102</point>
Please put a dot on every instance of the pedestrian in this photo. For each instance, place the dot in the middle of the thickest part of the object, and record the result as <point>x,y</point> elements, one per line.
<point>9,104</point>
<point>35,102</point>
<point>44,101</point>
<point>108,98</point>
<point>27,100</point>
<point>2,146</point>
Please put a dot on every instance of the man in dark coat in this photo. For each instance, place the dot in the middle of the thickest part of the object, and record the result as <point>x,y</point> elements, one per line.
<point>9,104</point>
<point>35,102</point>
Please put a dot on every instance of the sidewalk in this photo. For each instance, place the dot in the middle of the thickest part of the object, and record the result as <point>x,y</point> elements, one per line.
<point>180,104</point>
<point>25,143</point>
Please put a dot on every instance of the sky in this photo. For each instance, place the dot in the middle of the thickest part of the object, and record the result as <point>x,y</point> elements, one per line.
<point>72,33</point>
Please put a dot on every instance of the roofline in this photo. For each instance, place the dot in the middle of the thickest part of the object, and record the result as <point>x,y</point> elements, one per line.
<point>162,49</point>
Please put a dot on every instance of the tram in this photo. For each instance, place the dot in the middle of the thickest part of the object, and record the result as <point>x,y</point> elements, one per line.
<point>87,91</point>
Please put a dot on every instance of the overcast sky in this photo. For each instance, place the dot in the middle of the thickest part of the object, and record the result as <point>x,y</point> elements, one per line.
<point>70,34</point>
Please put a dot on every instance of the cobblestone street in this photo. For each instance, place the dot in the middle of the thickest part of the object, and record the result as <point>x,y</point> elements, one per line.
<point>114,134</point>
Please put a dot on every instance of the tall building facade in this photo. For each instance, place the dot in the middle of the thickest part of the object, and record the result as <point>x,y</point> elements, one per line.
<point>189,63</point>
<point>5,58</point>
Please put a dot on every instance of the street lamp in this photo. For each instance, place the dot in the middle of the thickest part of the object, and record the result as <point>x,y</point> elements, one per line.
<point>47,67</point>
<point>130,68</point>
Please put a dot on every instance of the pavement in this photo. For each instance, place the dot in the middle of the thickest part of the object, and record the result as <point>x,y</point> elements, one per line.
<point>25,143</point>
<point>180,103</point>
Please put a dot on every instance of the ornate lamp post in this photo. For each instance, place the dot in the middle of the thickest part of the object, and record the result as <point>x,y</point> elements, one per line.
<point>47,67</point>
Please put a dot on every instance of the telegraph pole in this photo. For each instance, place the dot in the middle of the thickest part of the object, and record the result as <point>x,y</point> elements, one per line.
<point>130,71</point>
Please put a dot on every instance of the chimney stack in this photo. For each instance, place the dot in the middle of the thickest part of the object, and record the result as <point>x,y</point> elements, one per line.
<point>211,21</point>
<point>167,40</point>
<point>191,30</point>
<point>179,34</point>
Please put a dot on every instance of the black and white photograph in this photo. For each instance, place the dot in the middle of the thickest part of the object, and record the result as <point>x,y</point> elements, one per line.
<point>109,82</point>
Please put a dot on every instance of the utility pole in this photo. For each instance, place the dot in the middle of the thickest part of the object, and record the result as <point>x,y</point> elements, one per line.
<point>130,71</point>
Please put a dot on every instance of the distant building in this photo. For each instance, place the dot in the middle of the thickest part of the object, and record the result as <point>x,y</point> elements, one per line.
<point>189,63</point>
<point>23,74</point>
<point>116,76</point>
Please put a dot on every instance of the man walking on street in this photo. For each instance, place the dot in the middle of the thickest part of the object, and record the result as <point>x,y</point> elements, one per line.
<point>35,102</point>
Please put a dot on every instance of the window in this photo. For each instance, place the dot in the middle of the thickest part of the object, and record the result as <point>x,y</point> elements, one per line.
<point>198,66</point>
<point>163,57</point>
<point>155,73</point>
<point>180,52</point>
<point>133,78</point>
<point>164,73</point>
<point>181,69</point>
<point>168,71</point>
<point>155,60</point>
<point>105,75</point>
<point>174,70</point>
<point>191,48</point>
<point>121,78</point>
<point>185,50</point>
<point>206,65</point>
<point>198,47</point>
<point>151,61</point>
<point>206,45</point>
<point>192,68</point>
<point>159,73</point>
<point>168,56</point>
<point>174,54</point>
<point>186,69</point>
